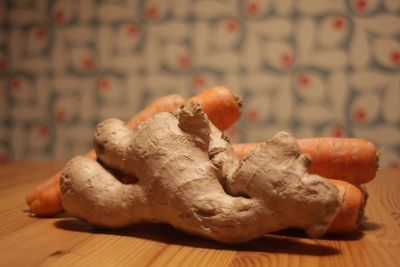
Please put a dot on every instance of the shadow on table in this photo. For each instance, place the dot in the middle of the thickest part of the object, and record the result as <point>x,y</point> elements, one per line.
<point>274,243</point>
<point>368,225</point>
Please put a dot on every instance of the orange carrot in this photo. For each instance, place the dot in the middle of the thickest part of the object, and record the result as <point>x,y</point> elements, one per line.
<point>164,103</point>
<point>352,208</point>
<point>243,149</point>
<point>221,106</point>
<point>44,199</point>
<point>354,160</point>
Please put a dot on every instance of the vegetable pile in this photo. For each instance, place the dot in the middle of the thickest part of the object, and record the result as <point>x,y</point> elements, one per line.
<point>172,164</point>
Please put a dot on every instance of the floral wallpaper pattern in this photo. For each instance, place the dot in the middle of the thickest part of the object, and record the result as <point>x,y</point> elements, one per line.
<point>313,67</point>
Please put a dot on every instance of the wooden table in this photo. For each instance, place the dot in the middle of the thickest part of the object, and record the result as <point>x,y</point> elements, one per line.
<point>64,241</point>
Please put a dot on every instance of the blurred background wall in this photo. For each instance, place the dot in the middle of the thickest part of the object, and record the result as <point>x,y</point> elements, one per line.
<point>313,67</point>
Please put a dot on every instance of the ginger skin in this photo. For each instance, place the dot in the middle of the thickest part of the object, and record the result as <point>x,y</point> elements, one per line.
<point>188,176</point>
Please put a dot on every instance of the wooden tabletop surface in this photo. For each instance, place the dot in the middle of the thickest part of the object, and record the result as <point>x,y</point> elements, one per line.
<point>65,241</point>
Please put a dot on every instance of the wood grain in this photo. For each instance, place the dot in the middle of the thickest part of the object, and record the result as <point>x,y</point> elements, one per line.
<point>65,241</point>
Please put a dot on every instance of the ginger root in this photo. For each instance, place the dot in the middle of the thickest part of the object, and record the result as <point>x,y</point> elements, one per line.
<point>187,175</point>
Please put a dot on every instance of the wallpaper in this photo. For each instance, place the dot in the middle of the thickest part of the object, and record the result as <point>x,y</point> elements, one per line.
<point>312,67</point>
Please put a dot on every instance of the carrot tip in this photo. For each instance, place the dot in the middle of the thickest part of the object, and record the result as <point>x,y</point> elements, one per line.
<point>239,100</point>
<point>378,154</point>
<point>366,196</point>
<point>34,205</point>
<point>360,216</point>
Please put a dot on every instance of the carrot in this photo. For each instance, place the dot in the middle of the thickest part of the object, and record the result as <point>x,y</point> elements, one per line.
<point>164,103</point>
<point>354,160</point>
<point>44,199</point>
<point>217,102</point>
<point>352,208</point>
<point>243,149</point>
<point>221,106</point>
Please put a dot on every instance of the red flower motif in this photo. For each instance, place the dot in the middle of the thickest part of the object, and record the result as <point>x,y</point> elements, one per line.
<point>15,85</point>
<point>359,114</point>
<point>361,5</point>
<point>3,65</point>
<point>87,63</point>
<point>60,115</point>
<point>43,130</point>
<point>253,115</point>
<point>395,57</point>
<point>338,131</point>
<point>103,83</point>
<point>199,80</point>
<point>303,81</point>
<point>41,33</point>
<point>286,60</point>
<point>231,25</point>
<point>59,16</point>
<point>133,30</point>
<point>338,23</point>
<point>183,61</point>
<point>152,12</point>
<point>252,8</point>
